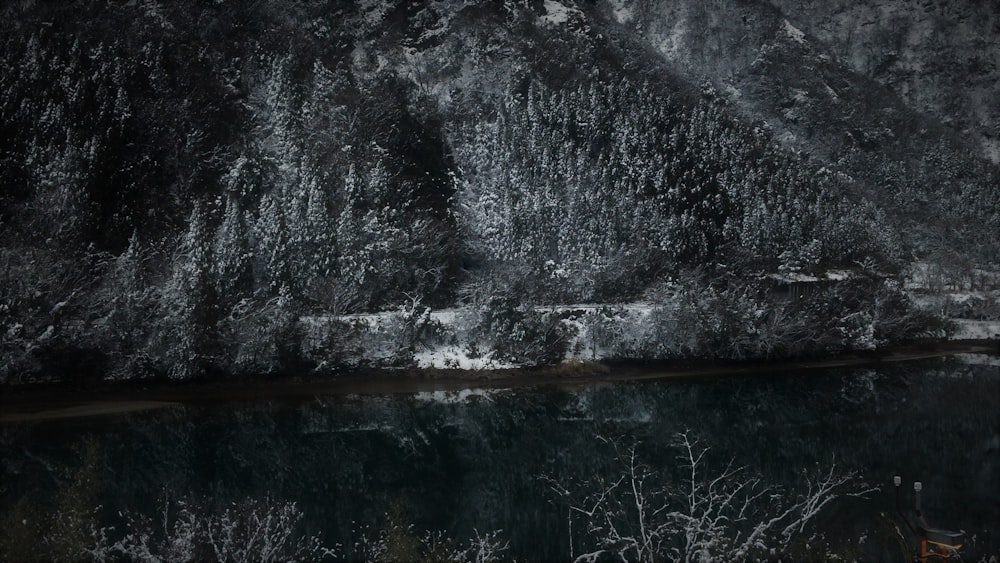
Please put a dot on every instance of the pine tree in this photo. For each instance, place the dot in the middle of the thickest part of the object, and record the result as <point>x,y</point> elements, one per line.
<point>230,264</point>
<point>272,247</point>
<point>189,303</point>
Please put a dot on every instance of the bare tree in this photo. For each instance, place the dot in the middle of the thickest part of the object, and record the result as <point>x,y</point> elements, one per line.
<point>250,530</point>
<point>397,540</point>
<point>711,515</point>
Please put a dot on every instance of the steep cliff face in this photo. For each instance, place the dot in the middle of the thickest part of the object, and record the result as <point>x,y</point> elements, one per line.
<point>857,64</point>
<point>940,57</point>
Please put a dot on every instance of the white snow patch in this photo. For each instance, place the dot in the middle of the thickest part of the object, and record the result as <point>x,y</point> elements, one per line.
<point>557,14</point>
<point>733,91</point>
<point>791,277</point>
<point>457,357</point>
<point>672,43</point>
<point>918,274</point>
<point>794,33</point>
<point>839,275</point>
<point>635,307</point>
<point>601,329</point>
<point>446,317</point>
<point>799,277</point>
<point>991,150</point>
<point>969,329</point>
<point>925,276</point>
<point>622,12</point>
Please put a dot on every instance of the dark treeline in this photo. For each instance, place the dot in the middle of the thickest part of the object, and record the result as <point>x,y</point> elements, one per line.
<point>182,182</point>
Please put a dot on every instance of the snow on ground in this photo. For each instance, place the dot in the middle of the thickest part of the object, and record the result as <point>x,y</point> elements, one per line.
<point>793,32</point>
<point>638,306</point>
<point>799,277</point>
<point>925,275</point>
<point>991,150</point>
<point>557,14</point>
<point>374,320</point>
<point>622,12</point>
<point>975,293</point>
<point>457,357</point>
<point>919,276</point>
<point>447,317</point>
<point>839,275</point>
<point>599,330</point>
<point>976,330</point>
<point>671,43</point>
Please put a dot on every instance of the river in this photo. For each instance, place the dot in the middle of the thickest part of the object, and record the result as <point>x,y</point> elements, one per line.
<point>471,461</point>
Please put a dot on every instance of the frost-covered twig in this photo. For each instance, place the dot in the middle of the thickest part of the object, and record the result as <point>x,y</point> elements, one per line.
<point>728,514</point>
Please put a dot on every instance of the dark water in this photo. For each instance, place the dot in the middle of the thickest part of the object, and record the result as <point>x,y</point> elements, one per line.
<point>474,462</point>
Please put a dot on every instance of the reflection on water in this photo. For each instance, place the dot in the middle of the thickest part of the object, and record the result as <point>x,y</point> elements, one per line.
<point>472,460</point>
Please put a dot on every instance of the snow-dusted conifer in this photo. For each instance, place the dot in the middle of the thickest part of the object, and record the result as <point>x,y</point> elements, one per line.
<point>189,301</point>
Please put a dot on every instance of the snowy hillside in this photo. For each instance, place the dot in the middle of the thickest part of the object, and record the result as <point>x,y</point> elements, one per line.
<point>208,189</point>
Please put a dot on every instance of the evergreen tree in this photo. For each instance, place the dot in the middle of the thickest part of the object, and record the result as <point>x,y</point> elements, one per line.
<point>189,303</point>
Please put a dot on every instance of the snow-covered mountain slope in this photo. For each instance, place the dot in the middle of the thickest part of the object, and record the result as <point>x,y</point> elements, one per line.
<point>180,182</point>
<point>941,59</point>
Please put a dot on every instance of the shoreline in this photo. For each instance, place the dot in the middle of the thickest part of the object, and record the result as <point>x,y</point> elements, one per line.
<point>62,400</point>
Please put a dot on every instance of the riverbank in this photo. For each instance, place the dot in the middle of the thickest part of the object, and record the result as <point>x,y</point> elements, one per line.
<point>37,402</point>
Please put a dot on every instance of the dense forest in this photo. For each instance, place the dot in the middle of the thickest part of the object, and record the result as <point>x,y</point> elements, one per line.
<point>183,184</point>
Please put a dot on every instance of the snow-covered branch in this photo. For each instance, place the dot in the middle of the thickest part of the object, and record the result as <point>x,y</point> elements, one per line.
<point>726,514</point>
